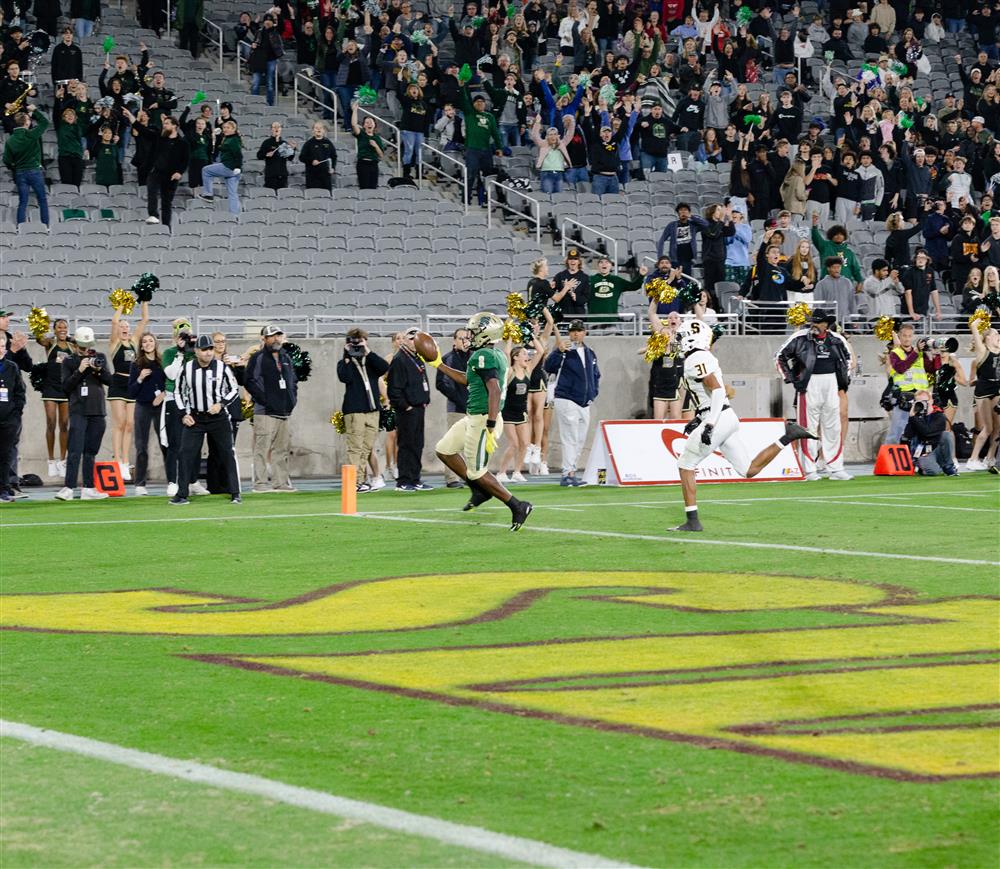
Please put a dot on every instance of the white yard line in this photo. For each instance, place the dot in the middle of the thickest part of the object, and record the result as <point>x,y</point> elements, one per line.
<point>460,835</point>
<point>682,538</point>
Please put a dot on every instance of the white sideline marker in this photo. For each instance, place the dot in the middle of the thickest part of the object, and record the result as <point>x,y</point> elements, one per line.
<point>460,835</point>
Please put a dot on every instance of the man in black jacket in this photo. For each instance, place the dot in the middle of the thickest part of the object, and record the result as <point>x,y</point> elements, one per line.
<point>168,161</point>
<point>359,371</point>
<point>16,349</point>
<point>270,380</point>
<point>12,399</point>
<point>409,394</point>
<point>67,60</point>
<point>85,375</point>
<point>817,363</point>
<point>930,440</point>
<point>456,394</point>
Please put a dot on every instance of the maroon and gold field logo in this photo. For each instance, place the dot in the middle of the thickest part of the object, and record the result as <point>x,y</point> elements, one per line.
<point>879,684</point>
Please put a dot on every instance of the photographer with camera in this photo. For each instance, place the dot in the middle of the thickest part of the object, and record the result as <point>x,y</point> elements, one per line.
<point>271,382</point>
<point>817,363</point>
<point>359,370</point>
<point>909,364</point>
<point>85,375</point>
<point>929,439</point>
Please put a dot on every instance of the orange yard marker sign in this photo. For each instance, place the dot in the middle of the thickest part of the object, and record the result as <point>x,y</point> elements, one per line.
<point>894,460</point>
<point>348,489</point>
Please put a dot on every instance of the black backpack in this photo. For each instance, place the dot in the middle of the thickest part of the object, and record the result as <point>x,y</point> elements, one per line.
<point>964,440</point>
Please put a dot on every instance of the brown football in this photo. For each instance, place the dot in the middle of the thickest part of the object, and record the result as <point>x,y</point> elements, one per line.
<point>426,346</point>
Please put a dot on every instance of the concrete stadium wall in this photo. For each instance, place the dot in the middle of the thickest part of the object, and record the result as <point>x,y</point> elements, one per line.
<point>318,451</point>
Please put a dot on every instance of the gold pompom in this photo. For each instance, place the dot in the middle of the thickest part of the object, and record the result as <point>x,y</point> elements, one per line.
<point>884,327</point>
<point>122,300</point>
<point>337,421</point>
<point>511,331</point>
<point>659,289</point>
<point>516,306</point>
<point>656,346</point>
<point>981,319</point>
<point>39,322</point>
<point>798,314</point>
<point>246,408</point>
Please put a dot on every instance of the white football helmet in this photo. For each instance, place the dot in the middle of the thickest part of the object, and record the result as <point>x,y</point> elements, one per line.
<point>486,329</point>
<point>694,335</point>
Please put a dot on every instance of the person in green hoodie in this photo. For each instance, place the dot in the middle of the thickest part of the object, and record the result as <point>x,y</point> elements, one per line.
<point>605,288</point>
<point>228,164</point>
<point>69,133</point>
<point>481,131</point>
<point>834,244</point>
<point>107,158</point>
<point>22,154</point>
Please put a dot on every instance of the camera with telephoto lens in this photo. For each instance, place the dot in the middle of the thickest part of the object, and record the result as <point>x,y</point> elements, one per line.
<point>894,397</point>
<point>355,347</point>
<point>97,360</point>
<point>921,408</point>
<point>187,341</point>
<point>945,345</point>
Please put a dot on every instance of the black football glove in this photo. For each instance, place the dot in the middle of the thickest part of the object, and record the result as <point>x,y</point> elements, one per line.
<point>692,425</point>
<point>706,434</point>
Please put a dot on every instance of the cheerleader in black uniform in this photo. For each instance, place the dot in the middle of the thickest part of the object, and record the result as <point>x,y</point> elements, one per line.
<point>986,349</point>
<point>949,376</point>
<point>122,351</point>
<point>54,399</point>
<point>515,409</point>
<point>666,373</point>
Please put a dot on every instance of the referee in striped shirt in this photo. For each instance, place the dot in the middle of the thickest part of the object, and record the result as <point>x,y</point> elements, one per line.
<point>204,388</point>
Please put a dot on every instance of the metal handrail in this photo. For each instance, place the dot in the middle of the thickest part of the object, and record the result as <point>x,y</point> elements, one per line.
<point>772,313</point>
<point>490,183</point>
<point>209,39</point>
<point>627,323</point>
<point>167,10</point>
<point>307,97</point>
<point>397,145</point>
<point>461,180</point>
<point>597,232</point>
<point>371,323</point>
<point>730,321</point>
<point>239,57</point>
<point>294,327</point>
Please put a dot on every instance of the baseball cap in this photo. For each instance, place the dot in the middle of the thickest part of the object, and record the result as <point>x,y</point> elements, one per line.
<point>84,337</point>
<point>819,316</point>
<point>204,342</point>
<point>577,326</point>
<point>979,119</point>
<point>5,313</point>
<point>270,331</point>
<point>479,96</point>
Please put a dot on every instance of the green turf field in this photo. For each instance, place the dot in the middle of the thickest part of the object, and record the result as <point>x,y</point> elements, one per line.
<point>779,691</point>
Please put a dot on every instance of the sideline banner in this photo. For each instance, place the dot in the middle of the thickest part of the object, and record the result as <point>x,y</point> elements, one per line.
<point>644,452</point>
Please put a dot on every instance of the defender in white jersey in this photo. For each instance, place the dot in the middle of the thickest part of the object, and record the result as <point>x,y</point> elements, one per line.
<point>715,425</point>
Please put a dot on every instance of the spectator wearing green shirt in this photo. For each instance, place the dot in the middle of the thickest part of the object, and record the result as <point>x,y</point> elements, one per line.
<point>370,149</point>
<point>834,244</point>
<point>228,165</point>
<point>22,154</point>
<point>606,288</point>
<point>481,131</point>
<point>69,134</point>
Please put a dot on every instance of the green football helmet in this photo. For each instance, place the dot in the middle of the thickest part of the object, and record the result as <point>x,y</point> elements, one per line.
<point>486,329</point>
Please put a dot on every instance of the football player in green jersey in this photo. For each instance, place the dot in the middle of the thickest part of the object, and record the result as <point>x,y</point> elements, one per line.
<point>466,447</point>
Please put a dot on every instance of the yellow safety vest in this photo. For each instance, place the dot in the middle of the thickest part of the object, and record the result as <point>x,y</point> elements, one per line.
<point>915,377</point>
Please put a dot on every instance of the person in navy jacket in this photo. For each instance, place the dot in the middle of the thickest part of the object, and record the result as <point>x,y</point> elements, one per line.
<point>577,382</point>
